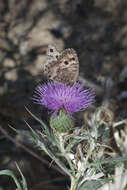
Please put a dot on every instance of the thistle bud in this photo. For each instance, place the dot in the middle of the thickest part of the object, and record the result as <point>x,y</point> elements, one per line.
<point>62,122</point>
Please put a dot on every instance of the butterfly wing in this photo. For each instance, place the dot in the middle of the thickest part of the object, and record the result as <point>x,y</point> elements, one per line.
<point>52,52</point>
<point>51,69</point>
<point>68,66</point>
<point>62,67</point>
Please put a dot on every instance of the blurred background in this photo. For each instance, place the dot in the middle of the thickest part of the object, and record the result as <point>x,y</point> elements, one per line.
<point>97,30</point>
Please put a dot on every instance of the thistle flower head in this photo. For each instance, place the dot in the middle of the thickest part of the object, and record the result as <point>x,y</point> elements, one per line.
<point>58,96</point>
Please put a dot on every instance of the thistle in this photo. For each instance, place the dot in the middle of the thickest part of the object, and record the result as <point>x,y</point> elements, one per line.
<point>63,100</point>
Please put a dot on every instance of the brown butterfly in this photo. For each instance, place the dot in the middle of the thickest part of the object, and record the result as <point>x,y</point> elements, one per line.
<point>62,66</point>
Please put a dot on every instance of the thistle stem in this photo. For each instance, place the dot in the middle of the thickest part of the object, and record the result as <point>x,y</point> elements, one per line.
<point>64,153</point>
<point>75,181</point>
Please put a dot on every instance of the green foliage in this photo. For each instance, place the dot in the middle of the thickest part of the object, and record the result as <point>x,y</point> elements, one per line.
<point>85,170</point>
<point>87,167</point>
<point>21,185</point>
<point>93,184</point>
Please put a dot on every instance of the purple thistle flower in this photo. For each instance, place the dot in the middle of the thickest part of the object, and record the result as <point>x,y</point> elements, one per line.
<point>56,96</point>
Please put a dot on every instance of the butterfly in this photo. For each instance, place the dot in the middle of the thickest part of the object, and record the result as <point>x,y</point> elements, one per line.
<point>62,66</point>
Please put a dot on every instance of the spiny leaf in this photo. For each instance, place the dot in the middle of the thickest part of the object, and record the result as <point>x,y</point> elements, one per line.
<point>10,173</point>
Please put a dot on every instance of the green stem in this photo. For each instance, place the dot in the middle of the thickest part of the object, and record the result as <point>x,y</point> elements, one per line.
<point>64,153</point>
<point>74,183</point>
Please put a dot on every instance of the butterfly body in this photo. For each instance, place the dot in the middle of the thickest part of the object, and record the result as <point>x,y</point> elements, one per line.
<point>62,67</point>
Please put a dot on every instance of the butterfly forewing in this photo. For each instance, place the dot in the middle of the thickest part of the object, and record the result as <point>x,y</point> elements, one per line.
<point>52,52</point>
